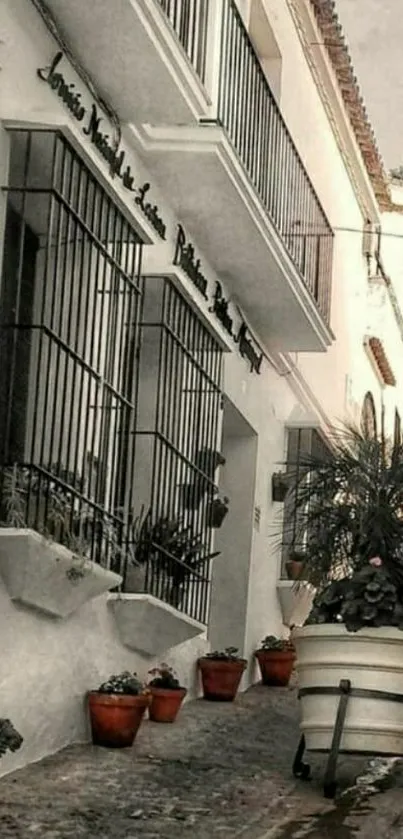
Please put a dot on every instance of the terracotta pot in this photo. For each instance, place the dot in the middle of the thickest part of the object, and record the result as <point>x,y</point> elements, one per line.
<point>294,568</point>
<point>276,666</point>
<point>220,679</point>
<point>115,718</point>
<point>216,512</point>
<point>165,704</point>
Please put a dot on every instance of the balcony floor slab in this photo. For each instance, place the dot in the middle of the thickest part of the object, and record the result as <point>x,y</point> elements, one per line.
<point>134,57</point>
<point>212,195</point>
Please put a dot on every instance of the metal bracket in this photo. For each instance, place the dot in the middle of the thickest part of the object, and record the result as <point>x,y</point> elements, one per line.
<point>344,691</point>
<point>302,770</point>
<point>330,784</point>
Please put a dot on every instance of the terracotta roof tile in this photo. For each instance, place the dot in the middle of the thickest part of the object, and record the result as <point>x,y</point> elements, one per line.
<point>335,42</point>
<point>380,357</point>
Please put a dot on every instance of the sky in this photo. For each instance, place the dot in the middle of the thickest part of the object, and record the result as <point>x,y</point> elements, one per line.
<point>374,33</point>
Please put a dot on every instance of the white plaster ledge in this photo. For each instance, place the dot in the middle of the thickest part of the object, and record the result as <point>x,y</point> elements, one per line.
<point>46,576</point>
<point>295,600</point>
<point>150,626</point>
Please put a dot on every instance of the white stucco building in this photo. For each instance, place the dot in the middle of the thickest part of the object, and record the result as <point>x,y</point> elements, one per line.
<point>191,274</point>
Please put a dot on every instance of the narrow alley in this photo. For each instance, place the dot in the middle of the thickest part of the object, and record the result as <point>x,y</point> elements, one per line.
<point>221,770</point>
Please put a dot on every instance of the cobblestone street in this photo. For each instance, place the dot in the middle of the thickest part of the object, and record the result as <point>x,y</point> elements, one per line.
<point>221,770</point>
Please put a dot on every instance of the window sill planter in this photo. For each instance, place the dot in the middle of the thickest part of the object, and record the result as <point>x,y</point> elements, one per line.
<point>216,512</point>
<point>296,599</point>
<point>165,704</point>
<point>372,659</point>
<point>150,626</point>
<point>116,719</point>
<point>221,679</point>
<point>47,576</point>
<point>279,487</point>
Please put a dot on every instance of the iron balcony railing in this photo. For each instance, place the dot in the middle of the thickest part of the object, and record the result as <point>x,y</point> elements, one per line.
<point>249,113</point>
<point>189,19</point>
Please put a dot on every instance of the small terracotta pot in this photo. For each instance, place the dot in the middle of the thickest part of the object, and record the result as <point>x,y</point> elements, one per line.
<point>294,569</point>
<point>220,679</point>
<point>115,718</point>
<point>165,704</point>
<point>275,666</point>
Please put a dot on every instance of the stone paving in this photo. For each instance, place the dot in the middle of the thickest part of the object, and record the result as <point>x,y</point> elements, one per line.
<point>221,770</point>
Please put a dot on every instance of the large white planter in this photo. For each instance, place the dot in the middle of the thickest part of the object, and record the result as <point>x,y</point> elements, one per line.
<point>372,659</point>
<point>45,575</point>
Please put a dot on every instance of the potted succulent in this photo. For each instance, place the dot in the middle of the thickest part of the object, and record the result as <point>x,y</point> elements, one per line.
<point>350,502</point>
<point>208,460</point>
<point>221,673</point>
<point>295,564</point>
<point>279,487</point>
<point>168,549</point>
<point>217,509</point>
<point>276,658</point>
<point>167,694</point>
<point>116,710</point>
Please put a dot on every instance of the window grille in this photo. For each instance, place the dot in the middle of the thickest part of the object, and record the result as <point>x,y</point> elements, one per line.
<point>70,303</point>
<point>302,444</point>
<point>177,448</point>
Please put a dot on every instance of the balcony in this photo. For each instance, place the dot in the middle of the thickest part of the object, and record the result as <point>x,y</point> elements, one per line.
<point>160,53</point>
<point>241,164</point>
<point>189,83</point>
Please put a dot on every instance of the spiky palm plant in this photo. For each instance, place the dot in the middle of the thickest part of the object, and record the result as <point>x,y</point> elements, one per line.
<point>349,507</point>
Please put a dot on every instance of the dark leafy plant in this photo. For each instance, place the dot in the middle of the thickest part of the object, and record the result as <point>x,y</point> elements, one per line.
<point>368,598</point>
<point>170,546</point>
<point>10,739</point>
<point>125,683</point>
<point>164,677</point>
<point>229,654</point>
<point>272,643</point>
<point>349,507</point>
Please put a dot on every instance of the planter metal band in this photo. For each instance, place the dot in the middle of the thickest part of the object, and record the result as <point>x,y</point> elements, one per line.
<point>344,690</point>
<point>363,692</point>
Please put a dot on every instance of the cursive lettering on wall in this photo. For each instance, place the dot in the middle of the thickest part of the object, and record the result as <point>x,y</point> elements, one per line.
<point>220,309</point>
<point>67,92</point>
<point>247,350</point>
<point>184,256</point>
<point>151,211</point>
<point>114,155</point>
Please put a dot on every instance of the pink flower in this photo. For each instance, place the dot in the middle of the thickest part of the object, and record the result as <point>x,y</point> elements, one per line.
<point>376,561</point>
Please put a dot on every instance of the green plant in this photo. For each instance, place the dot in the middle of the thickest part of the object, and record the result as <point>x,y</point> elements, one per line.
<point>349,508</point>
<point>27,496</point>
<point>164,677</point>
<point>229,654</point>
<point>171,548</point>
<point>368,598</point>
<point>10,739</point>
<point>271,642</point>
<point>125,683</point>
<point>349,504</point>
